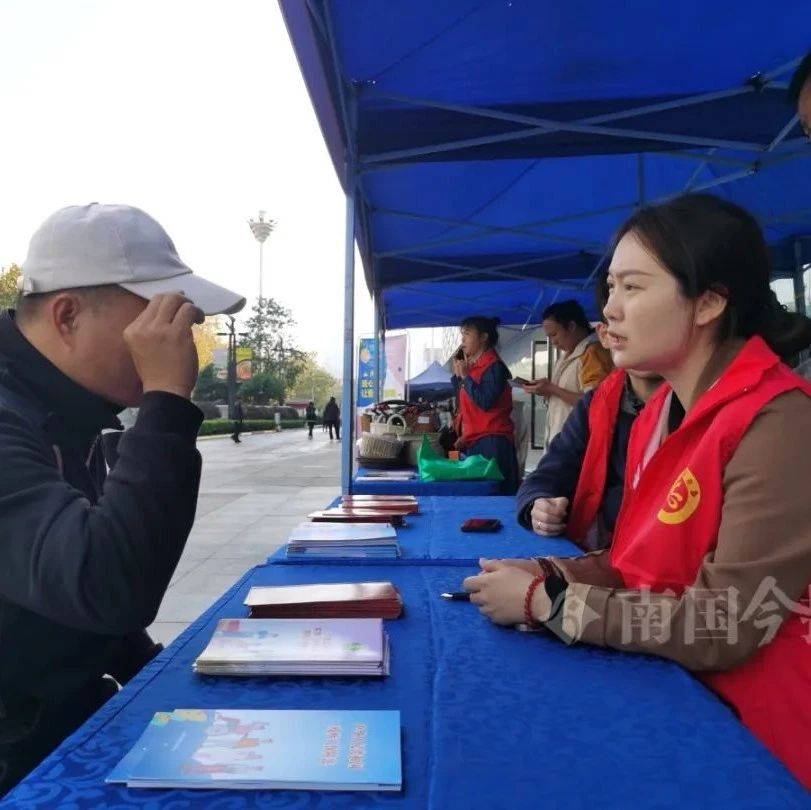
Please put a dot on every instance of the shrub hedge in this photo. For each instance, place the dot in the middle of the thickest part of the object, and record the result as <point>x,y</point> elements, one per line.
<point>216,427</point>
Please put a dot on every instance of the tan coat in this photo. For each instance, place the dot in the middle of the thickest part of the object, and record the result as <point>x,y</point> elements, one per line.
<point>567,374</point>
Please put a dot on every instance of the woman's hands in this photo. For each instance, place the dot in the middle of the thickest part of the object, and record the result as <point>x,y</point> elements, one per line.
<point>500,589</point>
<point>541,388</point>
<point>548,516</point>
<point>460,368</point>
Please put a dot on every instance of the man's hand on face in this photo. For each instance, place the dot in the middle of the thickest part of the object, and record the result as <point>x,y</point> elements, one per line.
<point>160,340</point>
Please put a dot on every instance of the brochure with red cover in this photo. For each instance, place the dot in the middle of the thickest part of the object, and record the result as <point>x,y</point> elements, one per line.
<point>342,600</point>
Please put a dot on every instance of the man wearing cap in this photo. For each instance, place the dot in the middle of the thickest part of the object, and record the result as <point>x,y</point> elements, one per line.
<point>103,322</point>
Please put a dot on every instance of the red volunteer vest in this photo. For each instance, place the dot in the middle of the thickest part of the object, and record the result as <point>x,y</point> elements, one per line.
<point>478,423</point>
<point>603,412</point>
<point>669,521</point>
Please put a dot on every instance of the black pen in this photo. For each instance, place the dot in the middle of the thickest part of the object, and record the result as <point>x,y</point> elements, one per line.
<point>457,596</point>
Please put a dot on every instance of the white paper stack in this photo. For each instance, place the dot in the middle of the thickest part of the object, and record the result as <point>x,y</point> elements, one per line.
<point>387,475</point>
<point>252,647</point>
<point>354,540</point>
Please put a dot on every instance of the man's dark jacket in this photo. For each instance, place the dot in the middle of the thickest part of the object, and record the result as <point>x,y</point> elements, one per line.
<point>559,469</point>
<point>85,556</point>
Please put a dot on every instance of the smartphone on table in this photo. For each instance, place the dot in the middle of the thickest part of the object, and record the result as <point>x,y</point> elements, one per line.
<point>481,525</point>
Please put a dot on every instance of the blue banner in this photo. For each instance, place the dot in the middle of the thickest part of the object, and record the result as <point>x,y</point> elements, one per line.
<point>367,363</point>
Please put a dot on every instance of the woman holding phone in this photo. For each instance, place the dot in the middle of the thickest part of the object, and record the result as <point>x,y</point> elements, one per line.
<point>482,384</point>
<point>582,366</point>
<point>715,525</point>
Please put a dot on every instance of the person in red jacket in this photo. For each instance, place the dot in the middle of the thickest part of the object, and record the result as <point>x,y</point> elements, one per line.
<point>710,562</point>
<point>481,381</point>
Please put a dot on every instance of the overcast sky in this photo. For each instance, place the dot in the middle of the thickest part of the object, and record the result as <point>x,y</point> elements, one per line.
<point>193,110</point>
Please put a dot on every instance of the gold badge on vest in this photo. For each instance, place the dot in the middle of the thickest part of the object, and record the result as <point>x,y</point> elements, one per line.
<point>682,499</point>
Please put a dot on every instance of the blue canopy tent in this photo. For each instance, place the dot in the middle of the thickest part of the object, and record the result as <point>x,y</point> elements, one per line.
<point>432,384</point>
<point>490,148</point>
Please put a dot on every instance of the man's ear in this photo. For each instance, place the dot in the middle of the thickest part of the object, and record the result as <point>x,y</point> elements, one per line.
<point>709,307</point>
<point>63,312</point>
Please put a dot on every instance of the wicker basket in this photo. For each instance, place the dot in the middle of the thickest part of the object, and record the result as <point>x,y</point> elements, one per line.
<point>380,446</point>
<point>386,429</point>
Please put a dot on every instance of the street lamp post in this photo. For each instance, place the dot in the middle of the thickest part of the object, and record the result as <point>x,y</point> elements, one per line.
<point>231,334</point>
<point>261,228</point>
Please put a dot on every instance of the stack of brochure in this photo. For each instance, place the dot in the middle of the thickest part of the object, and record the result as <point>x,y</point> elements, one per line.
<point>335,600</point>
<point>296,647</point>
<point>266,749</point>
<point>357,540</point>
<point>363,501</point>
<point>387,475</point>
<point>395,515</point>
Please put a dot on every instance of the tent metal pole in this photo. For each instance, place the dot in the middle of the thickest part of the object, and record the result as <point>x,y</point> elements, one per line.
<point>517,135</point>
<point>521,230</point>
<point>787,157</point>
<point>797,278</point>
<point>547,126</point>
<point>727,178</point>
<point>618,115</point>
<point>697,171</point>
<point>475,271</point>
<point>454,298</point>
<point>521,225</point>
<point>783,134</point>
<point>348,399</point>
<point>348,107</point>
<point>534,308</point>
<point>781,69</point>
<point>721,160</point>
<point>542,123</point>
<point>456,240</point>
<point>377,346</point>
<point>382,365</point>
<point>528,262</point>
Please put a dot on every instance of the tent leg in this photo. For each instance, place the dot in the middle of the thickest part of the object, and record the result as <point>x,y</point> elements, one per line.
<point>348,400</point>
<point>378,385</point>
<point>383,366</point>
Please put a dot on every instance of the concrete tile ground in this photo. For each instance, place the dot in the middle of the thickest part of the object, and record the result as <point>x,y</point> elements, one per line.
<point>251,495</point>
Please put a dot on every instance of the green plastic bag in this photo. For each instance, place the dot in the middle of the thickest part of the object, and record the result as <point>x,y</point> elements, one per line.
<point>434,467</point>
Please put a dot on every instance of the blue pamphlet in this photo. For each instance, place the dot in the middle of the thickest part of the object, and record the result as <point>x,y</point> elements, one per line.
<point>266,749</point>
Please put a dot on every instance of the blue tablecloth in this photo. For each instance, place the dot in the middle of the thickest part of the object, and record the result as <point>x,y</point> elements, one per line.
<point>492,718</point>
<point>434,536</point>
<point>417,487</point>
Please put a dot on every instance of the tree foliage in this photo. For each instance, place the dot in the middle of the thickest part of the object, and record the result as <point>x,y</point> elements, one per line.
<point>275,356</point>
<point>209,388</point>
<point>263,388</point>
<point>314,383</point>
<point>206,340</point>
<point>8,285</point>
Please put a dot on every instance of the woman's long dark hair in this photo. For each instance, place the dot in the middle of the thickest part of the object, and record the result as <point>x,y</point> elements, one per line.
<point>566,312</point>
<point>484,326</point>
<point>710,244</point>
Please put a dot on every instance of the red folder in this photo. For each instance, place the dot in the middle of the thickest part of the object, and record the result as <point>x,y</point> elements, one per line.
<point>342,600</point>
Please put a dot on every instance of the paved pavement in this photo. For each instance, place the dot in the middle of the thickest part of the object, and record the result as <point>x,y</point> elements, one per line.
<point>251,495</point>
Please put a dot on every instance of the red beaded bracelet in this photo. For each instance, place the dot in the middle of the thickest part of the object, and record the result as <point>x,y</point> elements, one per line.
<point>528,618</point>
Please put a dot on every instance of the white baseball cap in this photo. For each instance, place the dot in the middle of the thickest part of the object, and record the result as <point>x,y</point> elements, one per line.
<point>92,245</point>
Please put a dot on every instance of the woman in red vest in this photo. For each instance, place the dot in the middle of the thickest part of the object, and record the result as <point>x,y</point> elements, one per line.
<point>576,489</point>
<point>485,399</point>
<point>710,562</point>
